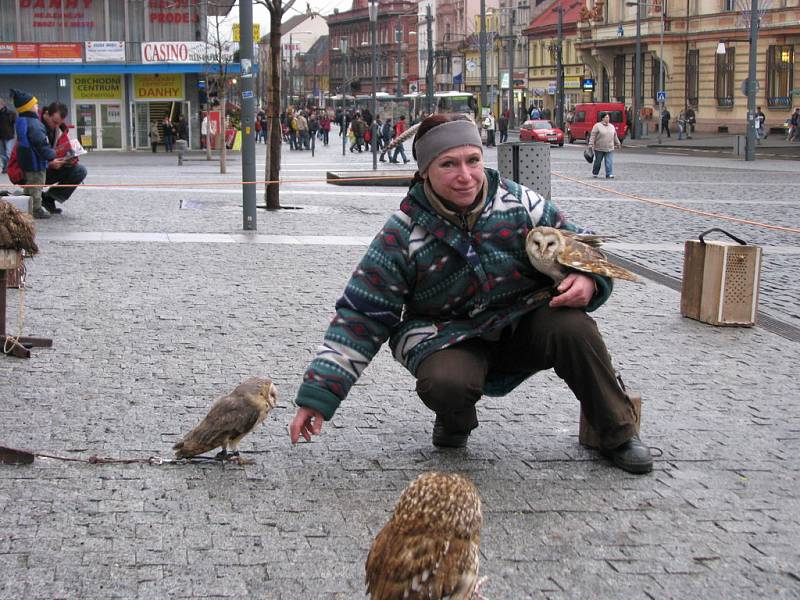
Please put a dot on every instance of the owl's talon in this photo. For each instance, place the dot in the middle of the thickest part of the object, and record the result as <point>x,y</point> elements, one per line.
<point>221,455</point>
<point>476,595</point>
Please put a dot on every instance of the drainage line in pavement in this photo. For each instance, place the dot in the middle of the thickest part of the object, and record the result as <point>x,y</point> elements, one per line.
<point>765,321</point>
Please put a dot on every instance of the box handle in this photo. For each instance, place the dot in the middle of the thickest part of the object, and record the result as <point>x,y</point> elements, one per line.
<point>730,235</point>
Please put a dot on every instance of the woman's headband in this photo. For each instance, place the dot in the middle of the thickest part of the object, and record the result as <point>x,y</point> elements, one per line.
<point>451,134</point>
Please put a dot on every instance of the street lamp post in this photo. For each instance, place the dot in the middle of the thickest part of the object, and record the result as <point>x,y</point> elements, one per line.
<point>398,37</point>
<point>750,141</point>
<point>429,65</point>
<point>638,97</point>
<point>343,48</point>
<point>291,72</point>
<point>483,57</point>
<point>511,48</point>
<point>373,25</point>
<point>560,68</point>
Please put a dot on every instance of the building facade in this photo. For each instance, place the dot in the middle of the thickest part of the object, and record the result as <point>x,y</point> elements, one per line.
<point>118,65</point>
<point>350,55</point>
<point>705,58</point>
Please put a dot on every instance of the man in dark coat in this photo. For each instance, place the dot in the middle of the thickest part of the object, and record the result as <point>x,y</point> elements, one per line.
<point>7,120</point>
<point>33,150</point>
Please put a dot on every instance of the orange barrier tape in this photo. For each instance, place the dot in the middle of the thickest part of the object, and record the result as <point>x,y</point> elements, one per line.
<point>704,213</point>
<point>202,184</point>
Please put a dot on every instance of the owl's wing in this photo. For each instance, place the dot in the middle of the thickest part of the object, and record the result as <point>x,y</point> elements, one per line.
<point>590,239</point>
<point>231,416</point>
<point>581,257</point>
<point>421,565</point>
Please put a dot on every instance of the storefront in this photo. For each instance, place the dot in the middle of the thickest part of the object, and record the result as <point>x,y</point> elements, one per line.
<point>153,97</point>
<point>97,111</point>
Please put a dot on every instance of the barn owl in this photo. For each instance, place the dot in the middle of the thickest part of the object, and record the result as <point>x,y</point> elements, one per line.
<point>16,229</point>
<point>556,252</point>
<point>429,548</point>
<point>230,419</point>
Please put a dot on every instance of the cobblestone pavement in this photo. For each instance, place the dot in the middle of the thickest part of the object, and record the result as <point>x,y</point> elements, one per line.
<point>148,331</point>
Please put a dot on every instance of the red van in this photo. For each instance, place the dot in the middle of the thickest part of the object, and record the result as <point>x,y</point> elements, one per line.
<point>586,115</point>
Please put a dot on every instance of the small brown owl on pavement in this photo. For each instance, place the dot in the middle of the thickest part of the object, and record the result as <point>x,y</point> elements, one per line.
<point>230,419</point>
<point>556,252</point>
<point>429,548</point>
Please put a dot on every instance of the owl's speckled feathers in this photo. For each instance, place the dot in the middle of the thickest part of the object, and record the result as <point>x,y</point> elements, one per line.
<point>556,252</point>
<point>230,418</point>
<point>429,548</point>
<point>16,229</point>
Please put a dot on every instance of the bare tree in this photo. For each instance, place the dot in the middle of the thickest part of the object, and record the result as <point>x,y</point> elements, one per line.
<point>220,55</point>
<point>277,8</point>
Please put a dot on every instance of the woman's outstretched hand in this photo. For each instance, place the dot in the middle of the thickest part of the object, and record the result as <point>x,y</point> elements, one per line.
<point>306,422</point>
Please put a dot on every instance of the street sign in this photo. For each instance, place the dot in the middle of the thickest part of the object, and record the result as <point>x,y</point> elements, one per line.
<point>744,86</point>
<point>661,96</point>
<point>247,94</point>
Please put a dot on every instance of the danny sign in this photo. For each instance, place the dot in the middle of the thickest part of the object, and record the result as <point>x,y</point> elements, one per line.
<point>185,52</point>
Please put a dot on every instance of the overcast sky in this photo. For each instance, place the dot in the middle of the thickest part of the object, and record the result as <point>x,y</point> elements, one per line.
<point>323,7</point>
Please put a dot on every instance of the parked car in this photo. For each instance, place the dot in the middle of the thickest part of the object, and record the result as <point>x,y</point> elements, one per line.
<point>539,130</point>
<point>587,114</point>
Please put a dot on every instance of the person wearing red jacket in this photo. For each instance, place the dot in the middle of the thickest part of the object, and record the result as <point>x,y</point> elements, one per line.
<point>65,168</point>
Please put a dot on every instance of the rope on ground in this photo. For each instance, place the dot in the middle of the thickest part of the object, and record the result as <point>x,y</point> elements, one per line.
<point>202,184</point>
<point>16,456</point>
<point>662,204</point>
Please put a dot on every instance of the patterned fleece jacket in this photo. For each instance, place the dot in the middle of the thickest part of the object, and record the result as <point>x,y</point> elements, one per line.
<point>426,284</point>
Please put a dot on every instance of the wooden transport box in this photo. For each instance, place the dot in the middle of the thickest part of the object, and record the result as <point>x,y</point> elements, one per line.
<point>720,281</point>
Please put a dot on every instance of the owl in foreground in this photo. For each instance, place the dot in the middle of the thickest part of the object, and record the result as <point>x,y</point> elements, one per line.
<point>230,419</point>
<point>429,548</point>
<point>556,252</point>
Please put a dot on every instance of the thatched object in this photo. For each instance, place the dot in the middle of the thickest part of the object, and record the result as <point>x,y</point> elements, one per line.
<point>16,229</point>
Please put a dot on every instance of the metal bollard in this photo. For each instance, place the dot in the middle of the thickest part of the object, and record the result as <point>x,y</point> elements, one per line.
<point>181,146</point>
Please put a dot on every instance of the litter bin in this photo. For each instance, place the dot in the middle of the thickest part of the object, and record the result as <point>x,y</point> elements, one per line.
<point>527,163</point>
<point>181,146</point>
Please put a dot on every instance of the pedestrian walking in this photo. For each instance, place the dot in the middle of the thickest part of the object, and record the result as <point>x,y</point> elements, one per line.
<point>691,119</point>
<point>386,133</point>
<point>761,120</point>
<point>603,141</point>
<point>794,126</point>
<point>534,113</point>
<point>665,118</point>
<point>681,122</point>
<point>33,149</point>
<point>169,134</point>
<point>301,123</point>
<point>358,128</point>
<point>427,285</point>
<point>155,136</point>
<point>502,126</point>
<point>489,126</point>
<point>8,119</point>
<point>325,126</point>
<point>183,129</point>
<point>399,129</point>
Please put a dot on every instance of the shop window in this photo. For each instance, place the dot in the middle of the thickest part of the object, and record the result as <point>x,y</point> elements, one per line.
<point>780,67</point>
<point>693,78</point>
<point>723,77</point>
<point>655,78</point>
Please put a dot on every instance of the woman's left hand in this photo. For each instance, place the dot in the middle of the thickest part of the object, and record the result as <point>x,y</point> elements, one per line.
<point>575,291</point>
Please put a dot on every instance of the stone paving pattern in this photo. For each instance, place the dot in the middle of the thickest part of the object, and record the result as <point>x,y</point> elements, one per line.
<point>147,335</point>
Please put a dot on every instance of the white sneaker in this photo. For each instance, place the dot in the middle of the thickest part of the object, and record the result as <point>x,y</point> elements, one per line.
<point>593,175</point>
<point>609,177</point>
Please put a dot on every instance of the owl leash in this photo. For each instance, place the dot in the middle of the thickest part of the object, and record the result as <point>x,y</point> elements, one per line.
<point>16,456</point>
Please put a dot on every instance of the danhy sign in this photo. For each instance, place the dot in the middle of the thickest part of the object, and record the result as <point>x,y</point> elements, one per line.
<point>158,87</point>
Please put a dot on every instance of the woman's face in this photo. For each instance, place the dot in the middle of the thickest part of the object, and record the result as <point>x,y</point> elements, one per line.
<point>457,175</point>
<point>606,118</point>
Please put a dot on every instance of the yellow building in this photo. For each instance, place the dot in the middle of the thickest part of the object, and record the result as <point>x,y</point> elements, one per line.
<point>705,57</point>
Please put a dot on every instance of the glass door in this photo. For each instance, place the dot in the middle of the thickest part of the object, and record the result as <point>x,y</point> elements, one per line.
<point>110,127</point>
<point>86,123</point>
<point>142,124</point>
